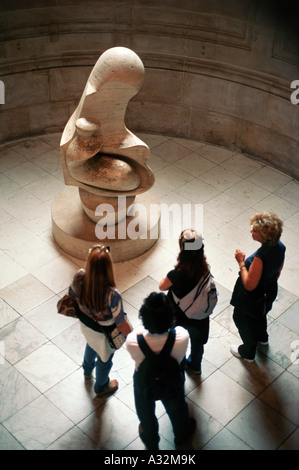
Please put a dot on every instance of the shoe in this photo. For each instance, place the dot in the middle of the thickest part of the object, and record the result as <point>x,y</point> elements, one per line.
<point>112,387</point>
<point>264,343</point>
<point>148,445</point>
<point>193,370</point>
<point>234,349</point>
<point>192,426</point>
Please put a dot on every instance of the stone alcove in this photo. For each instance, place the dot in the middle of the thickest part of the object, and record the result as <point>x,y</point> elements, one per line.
<point>216,71</point>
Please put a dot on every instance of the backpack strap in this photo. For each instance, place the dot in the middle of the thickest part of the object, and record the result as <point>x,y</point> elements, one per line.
<point>169,343</point>
<point>145,347</point>
<point>166,348</point>
<point>201,285</point>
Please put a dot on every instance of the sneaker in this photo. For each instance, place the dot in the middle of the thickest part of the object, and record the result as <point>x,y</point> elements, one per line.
<point>234,349</point>
<point>112,387</point>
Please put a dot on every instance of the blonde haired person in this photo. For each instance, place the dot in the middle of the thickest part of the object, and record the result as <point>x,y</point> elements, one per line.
<point>99,306</point>
<point>256,287</point>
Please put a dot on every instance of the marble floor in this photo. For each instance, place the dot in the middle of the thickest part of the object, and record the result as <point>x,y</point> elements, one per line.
<point>44,401</point>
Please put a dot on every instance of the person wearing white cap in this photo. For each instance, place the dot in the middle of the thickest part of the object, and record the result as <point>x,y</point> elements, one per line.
<point>193,293</point>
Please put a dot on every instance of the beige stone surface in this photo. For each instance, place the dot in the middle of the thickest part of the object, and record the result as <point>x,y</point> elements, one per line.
<point>102,158</point>
<point>229,64</point>
<point>99,153</point>
<point>75,232</point>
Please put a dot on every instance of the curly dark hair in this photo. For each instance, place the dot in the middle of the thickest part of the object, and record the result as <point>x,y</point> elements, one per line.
<point>156,313</point>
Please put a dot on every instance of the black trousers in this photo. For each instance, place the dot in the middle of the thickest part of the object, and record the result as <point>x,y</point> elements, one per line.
<point>251,330</point>
<point>176,408</point>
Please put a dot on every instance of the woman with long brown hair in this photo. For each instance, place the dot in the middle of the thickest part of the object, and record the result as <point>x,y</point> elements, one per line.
<point>190,275</point>
<point>99,306</point>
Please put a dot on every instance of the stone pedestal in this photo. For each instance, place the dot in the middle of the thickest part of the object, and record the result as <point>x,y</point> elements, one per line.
<point>75,232</point>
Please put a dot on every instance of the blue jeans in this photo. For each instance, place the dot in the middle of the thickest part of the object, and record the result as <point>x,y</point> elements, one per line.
<point>92,360</point>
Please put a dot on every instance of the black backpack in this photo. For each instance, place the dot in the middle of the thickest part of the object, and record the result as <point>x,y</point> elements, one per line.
<point>159,376</point>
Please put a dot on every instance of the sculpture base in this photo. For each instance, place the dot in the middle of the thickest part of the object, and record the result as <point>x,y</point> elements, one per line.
<point>75,232</point>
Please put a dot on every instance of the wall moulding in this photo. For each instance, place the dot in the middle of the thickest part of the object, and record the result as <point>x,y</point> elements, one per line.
<point>198,66</point>
<point>238,57</point>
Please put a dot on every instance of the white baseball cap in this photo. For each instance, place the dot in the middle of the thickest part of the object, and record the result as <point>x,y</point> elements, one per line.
<point>191,240</point>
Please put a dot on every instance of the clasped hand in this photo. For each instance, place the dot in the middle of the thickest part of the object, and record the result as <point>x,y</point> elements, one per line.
<point>240,256</point>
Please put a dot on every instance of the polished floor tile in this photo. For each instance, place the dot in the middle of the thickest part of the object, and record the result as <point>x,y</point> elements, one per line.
<point>45,402</point>
<point>254,377</point>
<point>38,424</point>
<point>46,366</point>
<point>225,440</point>
<point>74,439</point>
<point>269,178</point>
<point>10,270</point>
<point>273,427</point>
<point>103,426</point>
<point>33,292</point>
<point>20,338</point>
<point>18,390</point>
<point>277,395</point>
<point>223,406</point>
<point>242,165</point>
<point>7,441</point>
<point>7,313</point>
<point>194,164</point>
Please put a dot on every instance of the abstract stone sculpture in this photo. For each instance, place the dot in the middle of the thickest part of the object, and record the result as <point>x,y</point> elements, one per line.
<point>104,163</point>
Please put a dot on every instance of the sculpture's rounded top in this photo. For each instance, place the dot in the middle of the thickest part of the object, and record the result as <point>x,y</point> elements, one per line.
<point>118,64</point>
<point>100,155</point>
<point>86,127</point>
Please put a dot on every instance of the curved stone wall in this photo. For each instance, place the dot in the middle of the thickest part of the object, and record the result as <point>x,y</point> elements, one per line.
<point>217,71</point>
